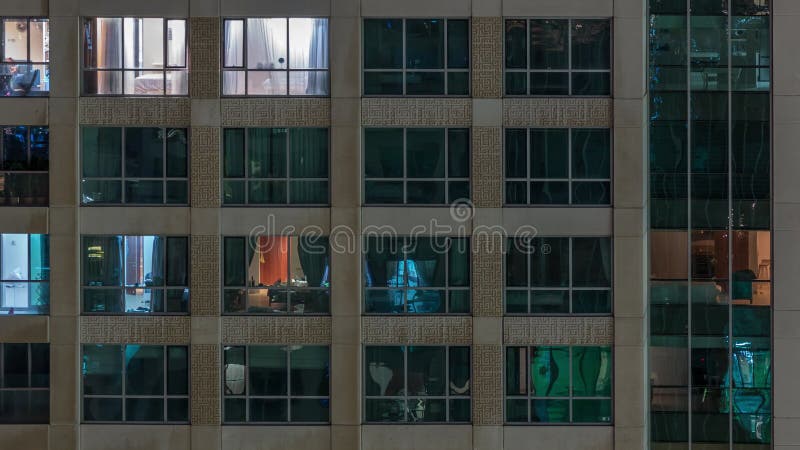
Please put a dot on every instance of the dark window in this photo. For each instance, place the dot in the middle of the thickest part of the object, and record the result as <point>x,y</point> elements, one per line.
<point>24,166</point>
<point>24,383</point>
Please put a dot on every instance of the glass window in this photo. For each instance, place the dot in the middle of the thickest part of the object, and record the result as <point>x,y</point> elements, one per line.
<point>277,166</point>
<point>276,274</point>
<point>135,274</point>
<point>558,166</point>
<point>24,274</point>
<point>559,385</point>
<point>139,166</point>
<point>417,384</point>
<point>416,166</point>
<point>559,275</point>
<point>135,56</point>
<point>566,57</point>
<point>273,384</point>
<point>24,166</point>
<point>423,275</point>
<point>421,57</point>
<point>135,383</point>
<point>275,56</point>
<point>24,56</point>
<point>24,383</point>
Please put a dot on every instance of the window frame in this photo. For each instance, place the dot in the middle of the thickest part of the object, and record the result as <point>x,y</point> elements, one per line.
<point>29,389</point>
<point>288,397</point>
<point>247,289</point>
<point>244,69</point>
<point>570,289</point>
<point>29,282</point>
<point>29,153</point>
<point>570,398</point>
<point>246,179</point>
<point>402,247</point>
<point>404,70</point>
<point>405,178</point>
<point>569,70</point>
<point>569,179</point>
<point>28,61</point>
<point>165,68</point>
<point>123,287</point>
<point>406,397</point>
<point>122,179</point>
<point>123,396</point>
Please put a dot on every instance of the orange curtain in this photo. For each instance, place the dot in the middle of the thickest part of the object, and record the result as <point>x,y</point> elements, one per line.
<point>273,267</point>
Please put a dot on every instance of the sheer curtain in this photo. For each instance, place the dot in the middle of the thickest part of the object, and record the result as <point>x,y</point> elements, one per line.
<point>110,55</point>
<point>234,56</point>
<point>318,58</point>
<point>176,55</point>
<point>266,50</point>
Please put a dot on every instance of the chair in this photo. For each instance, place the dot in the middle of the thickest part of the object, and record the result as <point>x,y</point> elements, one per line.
<point>22,84</point>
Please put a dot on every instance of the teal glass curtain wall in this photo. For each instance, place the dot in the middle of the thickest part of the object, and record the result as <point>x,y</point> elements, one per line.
<point>710,359</point>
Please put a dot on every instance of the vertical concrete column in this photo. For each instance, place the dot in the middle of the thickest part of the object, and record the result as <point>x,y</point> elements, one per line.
<point>786,226</point>
<point>205,201</point>
<point>630,219</point>
<point>345,160</point>
<point>63,219</point>
<point>487,198</point>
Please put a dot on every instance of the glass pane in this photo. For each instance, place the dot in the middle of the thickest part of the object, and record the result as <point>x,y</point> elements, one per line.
<point>177,261</point>
<point>40,365</point>
<point>15,40</point>
<point>177,192</point>
<point>458,44</point>
<point>549,302</point>
<point>101,368</point>
<point>308,83</point>
<point>176,43</point>
<point>107,50</point>
<point>549,153</point>
<point>425,83</point>
<point>267,83</point>
<point>233,192</point>
<point>459,371</point>
<point>102,409</point>
<point>177,371</point>
<point>591,44</point>
<point>309,153</point>
<point>385,410</point>
<point>308,192</point>
<point>458,145</point>
<point>233,48</point>
<point>144,152</point>
<point>516,83</point>
<point>178,410</point>
<point>267,149</point>
<point>144,192</point>
<point>102,151</point>
<point>516,372</point>
<point>552,411</point>
<point>516,44</point>
<point>102,261</point>
<point>266,192</point>
<point>266,44</point>
<point>177,159</point>
<point>143,43</point>
<point>383,192</point>
<point>383,152</point>
<point>234,371</point>
<point>233,82</point>
<point>549,373</point>
<point>549,262</point>
<point>550,83</point>
<point>590,193</point>
<point>144,409</point>
<point>100,192</point>
<point>591,371</point>
<point>591,83</point>
<point>268,371</point>
<point>517,410</point>
<point>383,43</point>
<point>308,43</point>
<point>591,262</point>
<point>384,369</point>
<point>425,152</point>
<point>15,258</point>
<point>591,411</point>
<point>310,410</point>
<point>591,153</point>
<point>426,370</point>
<point>144,370</point>
<point>457,83</point>
<point>591,302</point>
<point>383,83</point>
<point>310,369</point>
<point>425,43</point>
<point>549,44</point>
<point>15,366</point>
<point>234,264</point>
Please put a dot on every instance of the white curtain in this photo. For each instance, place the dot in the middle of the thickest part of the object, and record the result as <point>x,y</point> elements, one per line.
<point>109,37</point>
<point>176,55</point>
<point>233,81</point>
<point>318,58</point>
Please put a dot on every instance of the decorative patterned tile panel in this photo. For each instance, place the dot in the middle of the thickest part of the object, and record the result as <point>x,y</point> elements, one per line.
<point>205,384</point>
<point>204,50</point>
<point>276,112</point>
<point>410,112</point>
<point>487,169</point>
<point>205,270</point>
<point>135,111</point>
<point>557,112</point>
<point>487,390</point>
<point>416,330</point>
<point>205,161</point>
<point>276,330</point>
<point>487,275</point>
<point>558,331</point>
<point>135,330</point>
<point>487,57</point>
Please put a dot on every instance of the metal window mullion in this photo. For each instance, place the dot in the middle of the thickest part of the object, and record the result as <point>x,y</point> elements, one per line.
<point>569,276</point>
<point>689,217</point>
<point>730,232</point>
<point>446,383</point>
<point>246,163</point>
<point>288,149</point>
<point>406,349</point>
<point>405,144</point>
<point>28,33</point>
<point>528,156</point>
<point>122,160</point>
<point>569,355</point>
<point>569,164</point>
<point>447,198</point>
<point>569,84</point>
<point>164,351</point>
<point>164,156</point>
<point>444,67</point>
<point>165,61</point>
<point>529,257</point>
<point>124,377</point>
<point>448,241</point>
<point>288,280</point>
<point>247,383</point>
<point>405,69</point>
<point>288,381</point>
<point>244,64</point>
<point>528,48</point>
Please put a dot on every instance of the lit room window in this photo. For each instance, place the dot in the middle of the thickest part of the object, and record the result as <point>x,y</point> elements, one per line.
<point>559,385</point>
<point>416,165</point>
<point>417,384</point>
<point>24,164</point>
<point>135,274</point>
<point>24,274</point>
<point>135,383</point>
<point>140,166</point>
<point>275,384</point>
<point>275,166</point>
<point>276,274</point>
<point>25,64</point>
<point>558,166</point>
<point>134,56</point>
<point>276,56</point>
<point>423,275</point>
<point>559,275</point>
<point>558,57</point>
<point>416,57</point>
<point>24,383</point>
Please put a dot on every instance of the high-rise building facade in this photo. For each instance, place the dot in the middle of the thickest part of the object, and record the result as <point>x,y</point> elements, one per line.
<point>381,225</point>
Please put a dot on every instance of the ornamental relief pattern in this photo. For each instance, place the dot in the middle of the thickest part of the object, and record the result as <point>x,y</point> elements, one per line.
<point>407,330</point>
<point>205,185</point>
<point>487,274</point>
<point>204,42</point>
<point>558,330</point>
<point>276,330</point>
<point>276,112</point>
<point>557,112</point>
<point>487,57</point>
<point>135,330</point>
<point>205,384</point>
<point>487,391</point>
<point>136,111</point>
<point>411,112</point>
<point>205,270</point>
<point>487,170</point>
